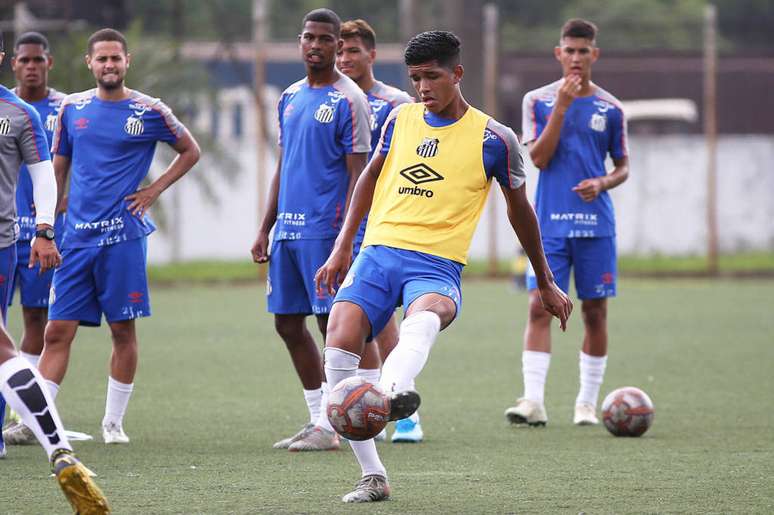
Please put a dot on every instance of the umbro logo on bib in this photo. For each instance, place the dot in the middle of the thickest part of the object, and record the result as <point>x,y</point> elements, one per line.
<point>428,148</point>
<point>5,126</point>
<point>324,114</point>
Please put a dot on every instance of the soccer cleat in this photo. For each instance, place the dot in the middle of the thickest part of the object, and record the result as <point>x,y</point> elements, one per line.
<point>286,442</point>
<point>407,431</point>
<point>527,412</point>
<point>19,434</point>
<point>114,433</point>
<point>318,439</point>
<point>12,419</point>
<point>403,404</point>
<point>585,415</point>
<point>83,493</point>
<point>369,488</point>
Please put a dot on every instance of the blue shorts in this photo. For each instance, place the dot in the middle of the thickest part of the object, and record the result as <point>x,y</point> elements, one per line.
<point>33,286</point>
<point>594,261</point>
<point>290,286</point>
<point>7,270</point>
<point>383,278</point>
<point>94,280</point>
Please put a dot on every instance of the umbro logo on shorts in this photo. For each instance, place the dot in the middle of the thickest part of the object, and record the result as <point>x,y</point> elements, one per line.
<point>428,148</point>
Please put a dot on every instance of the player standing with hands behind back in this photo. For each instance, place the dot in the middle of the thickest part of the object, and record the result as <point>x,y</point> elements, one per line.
<point>569,127</point>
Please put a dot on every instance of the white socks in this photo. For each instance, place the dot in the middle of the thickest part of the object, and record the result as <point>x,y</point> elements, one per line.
<point>32,359</point>
<point>339,365</point>
<point>592,372</point>
<point>371,375</point>
<point>534,368</point>
<point>25,391</point>
<point>313,400</point>
<point>53,389</point>
<point>417,335</point>
<point>118,395</point>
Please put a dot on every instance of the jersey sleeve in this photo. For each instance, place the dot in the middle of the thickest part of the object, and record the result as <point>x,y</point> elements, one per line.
<point>354,123</point>
<point>529,128</point>
<point>389,126</point>
<point>167,127</point>
<point>619,146</point>
<point>503,159</point>
<point>62,145</point>
<point>32,138</point>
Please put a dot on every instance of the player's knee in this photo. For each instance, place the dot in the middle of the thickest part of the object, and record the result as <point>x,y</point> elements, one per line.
<point>290,330</point>
<point>123,334</point>
<point>57,335</point>
<point>537,313</point>
<point>594,314</point>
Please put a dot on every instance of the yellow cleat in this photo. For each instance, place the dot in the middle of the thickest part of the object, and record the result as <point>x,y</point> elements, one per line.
<point>77,485</point>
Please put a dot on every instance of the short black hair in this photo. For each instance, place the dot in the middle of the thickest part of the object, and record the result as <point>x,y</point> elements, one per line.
<point>106,35</point>
<point>31,38</point>
<point>324,15</point>
<point>579,28</point>
<point>434,45</point>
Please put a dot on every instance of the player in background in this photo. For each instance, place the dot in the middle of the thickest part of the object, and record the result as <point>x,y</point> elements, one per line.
<point>570,126</point>
<point>425,187</point>
<point>31,62</point>
<point>355,59</point>
<point>105,139</point>
<point>23,140</point>
<point>324,138</point>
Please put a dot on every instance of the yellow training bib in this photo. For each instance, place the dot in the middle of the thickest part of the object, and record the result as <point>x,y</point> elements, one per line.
<point>432,187</point>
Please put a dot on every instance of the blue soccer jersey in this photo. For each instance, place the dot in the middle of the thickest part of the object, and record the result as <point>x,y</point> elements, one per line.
<point>111,145</point>
<point>48,109</point>
<point>318,128</point>
<point>594,126</point>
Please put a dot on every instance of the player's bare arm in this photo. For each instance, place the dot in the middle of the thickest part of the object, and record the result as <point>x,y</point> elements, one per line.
<point>61,171</point>
<point>260,249</point>
<point>525,225</point>
<point>542,150</point>
<point>330,275</point>
<point>188,154</point>
<point>589,189</point>
<point>355,165</point>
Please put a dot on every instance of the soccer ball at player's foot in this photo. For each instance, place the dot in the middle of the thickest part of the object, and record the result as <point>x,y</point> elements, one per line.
<point>358,410</point>
<point>627,411</point>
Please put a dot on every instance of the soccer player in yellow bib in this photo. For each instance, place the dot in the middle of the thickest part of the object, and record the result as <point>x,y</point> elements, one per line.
<point>425,187</point>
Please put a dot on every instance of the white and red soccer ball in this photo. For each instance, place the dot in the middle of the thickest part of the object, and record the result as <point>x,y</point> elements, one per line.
<point>357,409</point>
<point>627,411</point>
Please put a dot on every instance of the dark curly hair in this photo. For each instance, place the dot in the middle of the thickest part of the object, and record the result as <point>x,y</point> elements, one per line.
<point>434,45</point>
<point>324,15</point>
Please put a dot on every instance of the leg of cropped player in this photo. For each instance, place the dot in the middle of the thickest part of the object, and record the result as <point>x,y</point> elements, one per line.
<point>26,392</point>
<point>575,213</point>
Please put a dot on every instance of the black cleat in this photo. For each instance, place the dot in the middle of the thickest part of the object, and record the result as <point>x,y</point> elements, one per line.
<point>403,404</point>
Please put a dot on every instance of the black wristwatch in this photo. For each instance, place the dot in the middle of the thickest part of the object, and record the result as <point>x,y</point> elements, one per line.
<point>45,233</point>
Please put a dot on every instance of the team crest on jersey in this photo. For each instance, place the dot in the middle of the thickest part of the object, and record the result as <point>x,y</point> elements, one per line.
<point>428,148</point>
<point>134,126</point>
<point>598,122</point>
<point>324,114</point>
<point>51,122</point>
<point>5,126</point>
